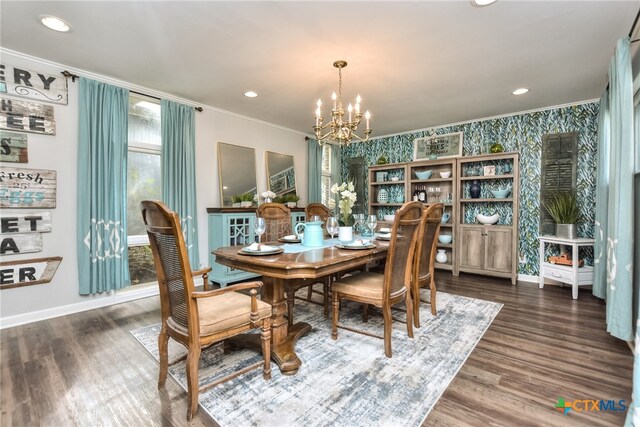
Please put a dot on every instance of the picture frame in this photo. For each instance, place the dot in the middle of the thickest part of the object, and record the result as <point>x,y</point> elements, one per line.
<point>489,170</point>
<point>441,146</point>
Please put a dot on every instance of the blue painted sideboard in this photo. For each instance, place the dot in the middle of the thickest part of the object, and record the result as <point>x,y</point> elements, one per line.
<point>235,226</point>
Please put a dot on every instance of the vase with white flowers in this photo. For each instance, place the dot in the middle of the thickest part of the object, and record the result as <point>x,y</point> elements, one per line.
<point>268,196</point>
<point>346,197</point>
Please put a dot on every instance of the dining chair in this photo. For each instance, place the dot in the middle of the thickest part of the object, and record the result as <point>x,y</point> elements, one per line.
<point>198,319</point>
<point>424,259</point>
<point>277,219</point>
<point>320,210</point>
<point>390,288</point>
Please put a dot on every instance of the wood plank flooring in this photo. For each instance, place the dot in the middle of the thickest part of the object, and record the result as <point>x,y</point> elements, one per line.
<point>86,369</point>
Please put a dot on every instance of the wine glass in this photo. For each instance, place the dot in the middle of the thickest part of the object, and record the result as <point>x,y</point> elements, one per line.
<point>332,226</point>
<point>259,228</point>
<point>360,219</point>
<point>372,222</point>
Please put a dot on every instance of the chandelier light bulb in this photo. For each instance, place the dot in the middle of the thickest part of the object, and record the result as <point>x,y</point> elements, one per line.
<point>319,103</point>
<point>367,116</point>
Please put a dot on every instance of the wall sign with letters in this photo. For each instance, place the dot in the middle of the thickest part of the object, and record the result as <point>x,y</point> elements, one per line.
<point>32,84</point>
<point>28,272</point>
<point>13,147</point>
<point>27,117</point>
<point>27,188</point>
<point>438,146</point>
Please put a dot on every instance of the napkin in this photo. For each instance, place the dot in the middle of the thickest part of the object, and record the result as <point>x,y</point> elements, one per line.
<point>290,237</point>
<point>384,235</point>
<point>255,247</point>
<point>385,230</point>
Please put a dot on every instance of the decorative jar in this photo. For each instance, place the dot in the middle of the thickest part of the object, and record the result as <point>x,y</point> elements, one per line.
<point>475,189</point>
<point>441,257</point>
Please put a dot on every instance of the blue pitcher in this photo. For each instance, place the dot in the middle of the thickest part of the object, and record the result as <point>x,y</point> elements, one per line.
<point>313,235</point>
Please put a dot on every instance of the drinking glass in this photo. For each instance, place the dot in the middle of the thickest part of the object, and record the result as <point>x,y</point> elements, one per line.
<point>259,228</point>
<point>315,218</point>
<point>360,219</point>
<point>372,222</point>
<point>332,226</point>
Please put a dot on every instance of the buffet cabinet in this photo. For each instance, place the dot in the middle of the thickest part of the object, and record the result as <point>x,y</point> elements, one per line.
<point>231,227</point>
<point>489,249</point>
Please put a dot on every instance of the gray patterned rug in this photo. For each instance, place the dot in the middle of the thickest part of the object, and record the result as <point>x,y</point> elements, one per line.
<point>348,382</point>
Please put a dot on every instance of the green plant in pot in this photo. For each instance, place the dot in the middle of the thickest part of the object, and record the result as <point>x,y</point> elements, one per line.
<point>563,208</point>
<point>291,199</point>
<point>246,199</point>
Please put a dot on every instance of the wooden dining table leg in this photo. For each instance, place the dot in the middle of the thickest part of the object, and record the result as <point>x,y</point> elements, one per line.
<point>283,336</point>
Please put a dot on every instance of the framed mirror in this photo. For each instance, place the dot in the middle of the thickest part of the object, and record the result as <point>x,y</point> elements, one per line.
<point>237,169</point>
<point>281,174</point>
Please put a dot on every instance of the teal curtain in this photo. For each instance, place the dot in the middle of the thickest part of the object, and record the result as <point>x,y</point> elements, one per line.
<point>102,187</point>
<point>336,164</point>
<point>314,168</point>
<point>179,170</point>
<point>615,241</point>
<point>633,416</point>
<point>602,198</point>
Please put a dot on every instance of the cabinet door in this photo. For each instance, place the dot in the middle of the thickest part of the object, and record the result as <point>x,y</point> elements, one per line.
<point>498,255</point>
<point>471,247</point>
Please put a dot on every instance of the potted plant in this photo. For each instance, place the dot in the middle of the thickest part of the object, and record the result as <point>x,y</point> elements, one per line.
<point>246,200</point>
<point>563,208</point>
<point>291,200</point>
<point>236,201</point>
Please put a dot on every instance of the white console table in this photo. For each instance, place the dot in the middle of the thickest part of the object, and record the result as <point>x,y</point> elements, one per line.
<point>570,274</point>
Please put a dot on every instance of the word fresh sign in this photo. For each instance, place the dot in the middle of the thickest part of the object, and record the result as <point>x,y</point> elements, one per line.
<point>438,146</point>
<point>32,84</point>
<point>27,188</point>
<point>27,117</point>
<point>13,147</point>
<point>28,272</point>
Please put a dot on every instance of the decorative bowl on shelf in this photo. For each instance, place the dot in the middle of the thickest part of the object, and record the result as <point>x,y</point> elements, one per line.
<point>501,194</point>
<point>445,174</point>
<point>445,238</point>
<point>389,218</point>
<point>423,174</point>
<point>395,178</point>
<point>488,220</point>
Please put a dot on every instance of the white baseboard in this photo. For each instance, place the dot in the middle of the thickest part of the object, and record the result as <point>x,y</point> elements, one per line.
<point>123,295</point>
<point>50,313</point>
<point>528,278</point>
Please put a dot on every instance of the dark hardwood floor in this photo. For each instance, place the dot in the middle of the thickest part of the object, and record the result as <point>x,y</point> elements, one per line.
<point>86,369</point>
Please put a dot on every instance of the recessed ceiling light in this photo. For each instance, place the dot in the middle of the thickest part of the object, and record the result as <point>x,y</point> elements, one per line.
<point>520,91</point>
<point>481,3</point>
<point>250,94</point>
<point>55,23</point>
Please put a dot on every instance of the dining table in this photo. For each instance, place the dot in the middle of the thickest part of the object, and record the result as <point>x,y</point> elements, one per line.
<point>295,263</point>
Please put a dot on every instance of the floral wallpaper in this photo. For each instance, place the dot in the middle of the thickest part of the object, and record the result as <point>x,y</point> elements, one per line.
<point>522,133</point>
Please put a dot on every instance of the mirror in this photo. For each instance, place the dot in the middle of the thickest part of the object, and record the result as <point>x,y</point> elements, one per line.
<point>281,175</point>
<point>237,169</point>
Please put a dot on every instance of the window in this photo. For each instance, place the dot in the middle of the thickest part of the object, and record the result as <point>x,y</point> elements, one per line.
<point>326,173</point>
<point>143,182</point>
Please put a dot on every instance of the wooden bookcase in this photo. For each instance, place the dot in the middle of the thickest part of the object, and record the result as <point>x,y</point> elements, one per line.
<point>488,249</point>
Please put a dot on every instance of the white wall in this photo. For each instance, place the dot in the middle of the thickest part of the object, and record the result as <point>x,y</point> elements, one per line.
<point>59,153</point>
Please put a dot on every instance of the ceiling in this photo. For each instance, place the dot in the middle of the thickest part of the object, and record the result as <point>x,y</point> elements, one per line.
<point>415,64</point>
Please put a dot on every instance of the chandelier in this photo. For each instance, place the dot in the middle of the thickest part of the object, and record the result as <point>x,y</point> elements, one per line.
<point>342,130</point>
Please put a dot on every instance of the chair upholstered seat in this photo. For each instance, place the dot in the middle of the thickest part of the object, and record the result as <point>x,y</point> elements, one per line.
<point>222,312</point>
<point>365,284</point>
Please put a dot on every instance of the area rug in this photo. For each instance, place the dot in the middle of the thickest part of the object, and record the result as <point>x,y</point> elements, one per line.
<point>348,382</point>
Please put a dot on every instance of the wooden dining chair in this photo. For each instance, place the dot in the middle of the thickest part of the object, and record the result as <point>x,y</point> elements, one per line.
<point>198,319</point>
<point>390,288</point>
<point>320,210</point>
<point>424,259</point>
<point>277,218</point>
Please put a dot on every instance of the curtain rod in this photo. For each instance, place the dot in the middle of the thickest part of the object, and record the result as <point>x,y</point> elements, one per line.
<point>75,76</point>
